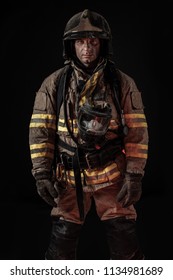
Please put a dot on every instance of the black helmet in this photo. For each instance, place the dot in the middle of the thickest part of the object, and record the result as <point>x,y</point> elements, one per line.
<point>93,121</point>
<point>87,24</point>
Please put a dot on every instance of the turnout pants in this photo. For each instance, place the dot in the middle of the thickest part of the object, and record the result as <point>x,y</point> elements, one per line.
<point>119,225</point>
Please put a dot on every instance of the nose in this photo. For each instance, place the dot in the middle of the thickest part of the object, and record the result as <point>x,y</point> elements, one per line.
<point>86,45</point>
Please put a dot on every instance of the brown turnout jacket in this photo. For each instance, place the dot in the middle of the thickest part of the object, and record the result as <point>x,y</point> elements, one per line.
<point>44,127</point>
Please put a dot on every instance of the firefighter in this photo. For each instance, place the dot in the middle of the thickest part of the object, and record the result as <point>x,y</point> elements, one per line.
<point>88,141</point>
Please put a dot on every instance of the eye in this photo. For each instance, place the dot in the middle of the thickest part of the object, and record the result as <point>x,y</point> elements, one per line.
<point>94,42</point>
<point>79,42</point>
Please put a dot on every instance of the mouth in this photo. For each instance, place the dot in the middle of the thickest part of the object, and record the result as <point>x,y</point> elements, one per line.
<point>87,55</point>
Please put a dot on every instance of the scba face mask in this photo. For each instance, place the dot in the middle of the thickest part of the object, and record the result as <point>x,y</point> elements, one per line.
<point>93,121</point>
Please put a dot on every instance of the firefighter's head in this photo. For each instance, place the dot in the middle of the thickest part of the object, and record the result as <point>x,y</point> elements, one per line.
<point>87,30</point>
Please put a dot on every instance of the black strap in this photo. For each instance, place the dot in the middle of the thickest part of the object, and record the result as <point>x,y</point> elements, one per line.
<point>112,72</point>
<point>65,145</point>
<point>59,92</point>
<point>61,89</point>
<point>79,188</point>
<point>117,97</point>
<point>61,80</point>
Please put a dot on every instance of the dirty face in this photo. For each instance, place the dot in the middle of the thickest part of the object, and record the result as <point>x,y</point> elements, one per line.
<point>87,50</point>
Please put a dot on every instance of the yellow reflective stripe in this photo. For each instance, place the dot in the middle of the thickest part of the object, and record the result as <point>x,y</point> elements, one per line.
<point>41,125</point>
<point>70,176</point>
<point>136,146</point>
<point>134,116</point>
<point>96,176</point>
<point>102,179</point>
<point>69,120</point>
<point>136,150</point>
<point>48,121</point>
<point>43,116</point>
<point>134,154</point>
<point>101,171</point>
<point>64,129</point>
<point>114,175</point>
<point>41,146</point>
<point>42,154</point>
<point>95,181</point>
<point>62,126</point>
<point>102,176</point>
<point>135,120</point>
<point>136,124</point>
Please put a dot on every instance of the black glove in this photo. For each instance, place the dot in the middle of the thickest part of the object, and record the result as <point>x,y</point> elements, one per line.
<point>46,190</point>
<point>131,189</point>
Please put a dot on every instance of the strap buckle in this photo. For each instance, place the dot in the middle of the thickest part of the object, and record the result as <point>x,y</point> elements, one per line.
<point>88,161</point>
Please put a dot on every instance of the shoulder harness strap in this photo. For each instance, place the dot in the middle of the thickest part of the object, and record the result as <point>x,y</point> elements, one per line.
<point>117,96</point>
<point>60,86</point>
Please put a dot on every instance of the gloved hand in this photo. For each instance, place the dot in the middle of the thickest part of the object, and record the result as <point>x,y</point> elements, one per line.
<point>131,189</point>
<point>46,190</point>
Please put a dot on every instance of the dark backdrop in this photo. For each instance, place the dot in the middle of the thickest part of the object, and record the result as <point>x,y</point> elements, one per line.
<point>31,49</point>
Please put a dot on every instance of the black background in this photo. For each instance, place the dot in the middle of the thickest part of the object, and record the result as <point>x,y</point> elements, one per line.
<point>31,49</point>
